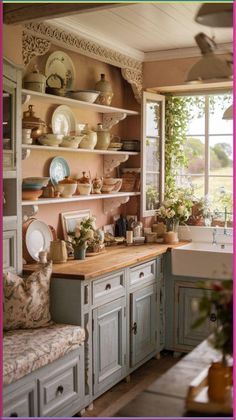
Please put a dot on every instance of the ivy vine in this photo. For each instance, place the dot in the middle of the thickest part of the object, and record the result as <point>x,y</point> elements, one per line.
<point>176,125</point>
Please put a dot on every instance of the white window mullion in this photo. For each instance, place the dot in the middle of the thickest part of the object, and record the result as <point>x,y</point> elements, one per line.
<point>207,149</point>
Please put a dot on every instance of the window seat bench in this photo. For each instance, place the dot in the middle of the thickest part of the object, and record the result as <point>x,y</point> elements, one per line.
<point>43,371</point>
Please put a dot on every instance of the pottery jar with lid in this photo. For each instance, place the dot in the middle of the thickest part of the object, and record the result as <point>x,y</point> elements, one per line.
<point>89,140</point>
<point>105,89</point>
<point>84,185</point>
<point>36,125</point>
<point>35,81</point>
<point>103,138</point>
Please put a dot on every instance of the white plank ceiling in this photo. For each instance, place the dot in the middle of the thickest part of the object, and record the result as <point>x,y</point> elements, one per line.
<point>143,27</point>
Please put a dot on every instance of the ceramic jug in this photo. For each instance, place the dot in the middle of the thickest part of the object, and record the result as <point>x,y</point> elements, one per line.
<point>58,251</point>
<point>103,138</point>
<point>89,140</point>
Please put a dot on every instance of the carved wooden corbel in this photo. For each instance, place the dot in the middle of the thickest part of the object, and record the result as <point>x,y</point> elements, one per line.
<point>135,78</point>
<point>111,119</point>
<point>33,46</point>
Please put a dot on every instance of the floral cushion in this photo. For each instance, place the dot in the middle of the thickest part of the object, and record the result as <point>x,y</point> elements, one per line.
<point>27,350</point>
<point>26,301</point>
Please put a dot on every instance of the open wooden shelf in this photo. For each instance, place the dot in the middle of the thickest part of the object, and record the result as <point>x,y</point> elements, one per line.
<point>41,201</point>
<point>53,99</point>
<point>68,149</point>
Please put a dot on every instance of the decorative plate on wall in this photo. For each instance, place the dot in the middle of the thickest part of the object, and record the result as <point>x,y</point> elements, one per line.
<point>37,238</point>
<point>58,170</point>
<point>61,64</point>
<point>63,121</point>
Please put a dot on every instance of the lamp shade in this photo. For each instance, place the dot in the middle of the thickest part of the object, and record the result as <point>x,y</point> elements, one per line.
<point>210,68</point>
<point>228,114</point>
<point>216,15</point>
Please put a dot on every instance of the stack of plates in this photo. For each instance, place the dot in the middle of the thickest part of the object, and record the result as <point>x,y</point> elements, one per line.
<point>115,146</point>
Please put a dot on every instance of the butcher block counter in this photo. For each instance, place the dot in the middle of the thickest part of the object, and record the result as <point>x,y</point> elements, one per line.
<point>114,258</point>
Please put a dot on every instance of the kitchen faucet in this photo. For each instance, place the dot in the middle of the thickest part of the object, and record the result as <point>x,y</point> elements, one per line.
<point>214,233</point>
<point>225,224</point>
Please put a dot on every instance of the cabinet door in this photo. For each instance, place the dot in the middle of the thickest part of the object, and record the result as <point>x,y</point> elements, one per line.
<point>109,344</point>
<point>9,250</point>
<point>153,137</point>
<point>143,323</point>
<point>21,403</point>
<point>187,311</point>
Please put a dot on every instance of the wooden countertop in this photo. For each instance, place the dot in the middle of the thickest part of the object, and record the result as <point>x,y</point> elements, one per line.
<point>114,258</point>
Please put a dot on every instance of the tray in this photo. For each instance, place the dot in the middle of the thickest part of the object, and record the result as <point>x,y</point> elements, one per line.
<point>197,398</point>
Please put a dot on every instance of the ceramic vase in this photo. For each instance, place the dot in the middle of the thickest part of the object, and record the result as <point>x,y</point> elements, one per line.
<point>171,234</point>
<point>218,382</point>
<point>105,89</point>
<point>79,253</point>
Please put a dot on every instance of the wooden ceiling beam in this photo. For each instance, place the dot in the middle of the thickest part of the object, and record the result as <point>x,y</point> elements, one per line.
<point>16,14</point>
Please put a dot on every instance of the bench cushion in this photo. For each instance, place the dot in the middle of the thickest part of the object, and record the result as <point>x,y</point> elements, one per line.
<point>27,350</point>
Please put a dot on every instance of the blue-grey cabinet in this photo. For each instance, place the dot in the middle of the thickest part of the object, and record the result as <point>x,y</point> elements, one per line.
<point>143,332</point>
<point>109,345</point>
<point>188,297</point>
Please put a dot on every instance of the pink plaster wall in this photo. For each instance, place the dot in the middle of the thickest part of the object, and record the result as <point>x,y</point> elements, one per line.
<point>12,43</point>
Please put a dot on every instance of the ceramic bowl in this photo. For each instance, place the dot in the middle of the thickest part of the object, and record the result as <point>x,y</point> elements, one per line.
<point>71,141</point>
<point>67,190</point>
<point>36,181</point>
<point>31,194</point>
<point>85,95</point>
<point>84,189</point>
<point>50,139</point>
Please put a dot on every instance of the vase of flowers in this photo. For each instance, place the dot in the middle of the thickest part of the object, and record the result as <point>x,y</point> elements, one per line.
<point>175,209</point>
<point>82,236</point>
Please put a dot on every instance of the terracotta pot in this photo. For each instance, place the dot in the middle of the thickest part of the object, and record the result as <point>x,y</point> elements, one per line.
<point>218,382</point>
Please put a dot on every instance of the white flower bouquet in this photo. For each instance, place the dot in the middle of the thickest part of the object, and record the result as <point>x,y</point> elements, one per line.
<point>84,233</point>
<point>176,207</point>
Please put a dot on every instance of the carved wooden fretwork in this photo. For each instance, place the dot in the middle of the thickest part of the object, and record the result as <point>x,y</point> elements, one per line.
<point>33,46</point>
<point>109,120</point>
<point>130,67</point>
<point>112,161</point>
<point>135,79</point>
<point>110,204</point>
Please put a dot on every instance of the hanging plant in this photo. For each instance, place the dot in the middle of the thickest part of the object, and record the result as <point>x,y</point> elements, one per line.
<point>176,124</point>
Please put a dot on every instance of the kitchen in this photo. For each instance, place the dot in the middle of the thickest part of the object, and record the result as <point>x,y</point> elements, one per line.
<point>126,185</point>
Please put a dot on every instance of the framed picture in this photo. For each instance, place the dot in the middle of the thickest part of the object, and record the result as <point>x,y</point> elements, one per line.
<point>70,219</point>
<point>109,229</point>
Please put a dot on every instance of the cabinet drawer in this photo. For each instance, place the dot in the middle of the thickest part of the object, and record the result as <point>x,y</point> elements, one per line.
<point>21,403</point>
<point>142,274</point>
<point>9,250</point>
<point>59,387</point>
<point>110,287</point>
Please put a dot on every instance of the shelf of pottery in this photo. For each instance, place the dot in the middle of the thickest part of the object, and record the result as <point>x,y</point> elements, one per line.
<point>65,134</point>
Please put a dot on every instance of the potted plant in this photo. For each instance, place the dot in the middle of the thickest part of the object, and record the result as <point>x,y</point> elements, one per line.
<point>82,236</point>
<point>175,209</point>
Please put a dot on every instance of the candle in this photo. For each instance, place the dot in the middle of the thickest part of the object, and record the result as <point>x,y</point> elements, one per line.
<point>129,236</point>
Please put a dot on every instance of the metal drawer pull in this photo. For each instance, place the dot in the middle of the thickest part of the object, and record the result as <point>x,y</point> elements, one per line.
<point>60,389</point>
<point>108,286</point>
<point>141,274</point>
<point>213,317</point>
<point>134,328</point>
<point>13,415</point>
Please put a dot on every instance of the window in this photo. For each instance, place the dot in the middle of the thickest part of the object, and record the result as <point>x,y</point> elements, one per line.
<point>209,150</point>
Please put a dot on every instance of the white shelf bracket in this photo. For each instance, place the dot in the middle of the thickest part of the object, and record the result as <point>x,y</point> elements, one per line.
<point>112,161</point>
<point>109,120</point>
<point>110,204</point>
<point>29,212</point>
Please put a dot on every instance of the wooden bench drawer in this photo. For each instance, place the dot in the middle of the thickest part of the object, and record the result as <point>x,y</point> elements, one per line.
<point>142,274</point>
<point>105,289</point>
<point>21,403</point>
<point>59,387</point>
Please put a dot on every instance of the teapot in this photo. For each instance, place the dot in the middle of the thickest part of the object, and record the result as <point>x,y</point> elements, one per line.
<point>58,251</point>
<point>97,185</point>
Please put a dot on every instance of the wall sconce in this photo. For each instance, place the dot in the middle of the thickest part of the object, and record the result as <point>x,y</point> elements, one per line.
<point>217,15</point>
<point>209,68</point>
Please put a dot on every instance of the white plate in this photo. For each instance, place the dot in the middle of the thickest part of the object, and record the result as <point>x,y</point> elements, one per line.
<point>38,238</point>
<point>60,63</point>
<point>63,121</point>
